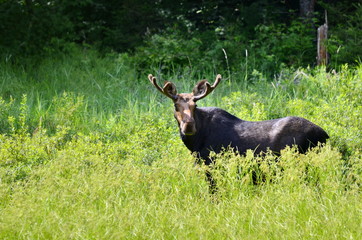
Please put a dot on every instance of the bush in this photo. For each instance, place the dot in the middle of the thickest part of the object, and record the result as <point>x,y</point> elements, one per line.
<point>89,149</point>
<point>345,33</point>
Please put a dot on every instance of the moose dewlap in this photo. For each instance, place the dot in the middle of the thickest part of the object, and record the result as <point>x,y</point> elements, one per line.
<point>207,129</point>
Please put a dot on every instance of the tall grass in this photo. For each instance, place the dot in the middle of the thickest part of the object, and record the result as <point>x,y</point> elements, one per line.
<point>90,150</point>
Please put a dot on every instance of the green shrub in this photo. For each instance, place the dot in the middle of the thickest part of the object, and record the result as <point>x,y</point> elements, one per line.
<point>345,33</point>
<point>101,157</point>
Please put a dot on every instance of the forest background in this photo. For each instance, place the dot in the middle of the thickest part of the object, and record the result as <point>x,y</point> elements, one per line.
<point>185,33</point>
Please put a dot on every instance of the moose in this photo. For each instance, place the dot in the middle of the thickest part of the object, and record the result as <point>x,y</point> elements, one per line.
<point>207,129</point>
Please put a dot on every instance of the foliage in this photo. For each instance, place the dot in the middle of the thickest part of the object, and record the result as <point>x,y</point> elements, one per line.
<point>95,153</point>
<point>280,44</point>
<point>345,40</point>
<point>169,35</point>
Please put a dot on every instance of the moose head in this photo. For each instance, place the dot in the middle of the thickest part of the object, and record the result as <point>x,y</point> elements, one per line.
<point>185,103</point>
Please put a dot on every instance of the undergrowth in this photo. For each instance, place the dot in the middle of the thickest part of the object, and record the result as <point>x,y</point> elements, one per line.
<point>91,151</point>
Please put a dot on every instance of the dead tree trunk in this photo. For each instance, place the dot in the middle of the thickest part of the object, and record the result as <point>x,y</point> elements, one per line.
<point>322,36</point>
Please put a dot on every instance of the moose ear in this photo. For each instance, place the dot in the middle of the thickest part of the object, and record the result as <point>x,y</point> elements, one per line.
<point>200,88</point>
<point>170,89</point>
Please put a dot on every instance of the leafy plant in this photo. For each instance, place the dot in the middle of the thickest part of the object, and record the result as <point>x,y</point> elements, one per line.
<point>88,150</point>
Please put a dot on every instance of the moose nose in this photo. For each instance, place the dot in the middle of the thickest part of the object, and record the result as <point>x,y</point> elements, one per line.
<point>188,128</point>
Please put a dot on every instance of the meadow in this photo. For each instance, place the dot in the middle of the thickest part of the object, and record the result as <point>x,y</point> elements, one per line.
<point>90,150</point>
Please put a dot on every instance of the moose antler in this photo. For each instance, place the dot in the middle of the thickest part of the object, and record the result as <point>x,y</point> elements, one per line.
<point>205,88</point>
<point>169,89</point>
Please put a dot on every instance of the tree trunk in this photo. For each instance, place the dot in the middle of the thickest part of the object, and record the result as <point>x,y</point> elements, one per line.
<point>306,8</point>
<point>322,54</point>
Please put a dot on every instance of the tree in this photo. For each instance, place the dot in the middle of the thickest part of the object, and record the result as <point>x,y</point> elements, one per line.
<point>306,8</point>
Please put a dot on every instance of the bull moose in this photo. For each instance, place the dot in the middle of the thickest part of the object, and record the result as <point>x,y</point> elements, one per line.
<point>206,129</point>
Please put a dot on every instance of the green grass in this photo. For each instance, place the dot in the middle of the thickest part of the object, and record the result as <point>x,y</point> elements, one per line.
<point>90,150</point>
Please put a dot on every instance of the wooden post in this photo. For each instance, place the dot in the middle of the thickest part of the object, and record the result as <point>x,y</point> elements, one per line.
<point>322,54</point>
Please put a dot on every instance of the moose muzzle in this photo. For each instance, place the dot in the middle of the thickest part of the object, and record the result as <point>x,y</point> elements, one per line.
<point>188,128</point>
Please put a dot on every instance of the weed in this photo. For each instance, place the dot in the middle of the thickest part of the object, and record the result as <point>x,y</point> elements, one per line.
<point>91,152</point>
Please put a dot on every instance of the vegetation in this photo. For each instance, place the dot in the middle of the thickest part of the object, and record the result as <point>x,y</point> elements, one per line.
<point>89,149</point>
<point>172,34</point>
